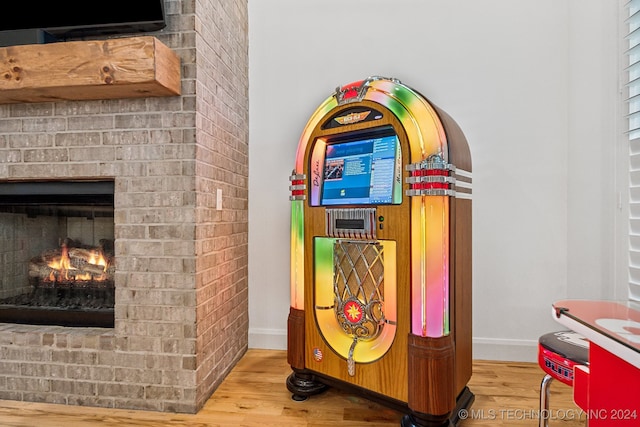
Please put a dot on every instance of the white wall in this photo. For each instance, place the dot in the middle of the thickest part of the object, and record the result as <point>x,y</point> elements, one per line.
<point>533,84</point>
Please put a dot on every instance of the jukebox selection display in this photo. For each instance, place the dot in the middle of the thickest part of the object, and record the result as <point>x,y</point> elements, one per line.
<point>381,253</point>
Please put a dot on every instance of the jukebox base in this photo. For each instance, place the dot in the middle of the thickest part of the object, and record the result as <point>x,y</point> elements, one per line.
<point>464,401</point>
<point>304,384</point>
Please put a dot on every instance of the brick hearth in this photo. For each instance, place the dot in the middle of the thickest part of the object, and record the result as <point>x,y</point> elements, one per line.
<point>181,303</point>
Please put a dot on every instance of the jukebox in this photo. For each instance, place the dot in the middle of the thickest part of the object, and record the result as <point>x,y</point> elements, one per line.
<point>381,253</point>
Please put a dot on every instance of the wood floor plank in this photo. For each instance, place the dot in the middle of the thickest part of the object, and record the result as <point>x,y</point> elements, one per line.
<point>254,394</point>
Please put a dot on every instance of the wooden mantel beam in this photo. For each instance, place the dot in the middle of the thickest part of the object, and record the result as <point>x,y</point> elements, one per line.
<point>132,67</point>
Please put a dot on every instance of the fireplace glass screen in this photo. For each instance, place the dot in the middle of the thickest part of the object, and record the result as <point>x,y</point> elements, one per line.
<point>57,259</point>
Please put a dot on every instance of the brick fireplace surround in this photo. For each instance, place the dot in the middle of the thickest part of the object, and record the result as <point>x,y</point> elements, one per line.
<point>181,305</point>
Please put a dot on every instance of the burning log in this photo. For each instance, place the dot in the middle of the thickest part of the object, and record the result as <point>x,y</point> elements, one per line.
<point>73,262</point>
<point>37,269</point>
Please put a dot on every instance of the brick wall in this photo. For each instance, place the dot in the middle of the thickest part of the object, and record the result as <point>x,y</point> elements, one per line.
<point>181,307</point>
<point>221,153</point>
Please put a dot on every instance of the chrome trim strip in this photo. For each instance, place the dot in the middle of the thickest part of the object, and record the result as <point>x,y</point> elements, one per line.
<point>430,178</point>
<point>464,173</point>
<point>431,192</point>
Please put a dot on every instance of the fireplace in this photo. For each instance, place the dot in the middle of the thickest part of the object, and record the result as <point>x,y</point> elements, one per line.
<point>97,160</point>
<point>57,259</point>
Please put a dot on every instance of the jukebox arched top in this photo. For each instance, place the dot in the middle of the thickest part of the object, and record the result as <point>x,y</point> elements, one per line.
<point>418,117</point>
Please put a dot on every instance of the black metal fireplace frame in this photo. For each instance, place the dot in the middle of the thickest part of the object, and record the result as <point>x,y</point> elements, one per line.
<point>72,197</point>
<point>95,193</point>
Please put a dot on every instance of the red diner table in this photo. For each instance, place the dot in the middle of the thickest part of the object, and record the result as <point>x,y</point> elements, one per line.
<point>608,389</point>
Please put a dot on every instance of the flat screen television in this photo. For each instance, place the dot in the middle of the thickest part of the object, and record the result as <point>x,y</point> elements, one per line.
<point>47,21</point>
<point>363,170</point>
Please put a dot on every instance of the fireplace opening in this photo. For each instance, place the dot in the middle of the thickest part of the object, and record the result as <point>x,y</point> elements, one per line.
<point>57,259</point>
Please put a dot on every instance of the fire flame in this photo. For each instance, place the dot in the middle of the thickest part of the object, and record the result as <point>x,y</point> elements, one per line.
<point>62,266</point>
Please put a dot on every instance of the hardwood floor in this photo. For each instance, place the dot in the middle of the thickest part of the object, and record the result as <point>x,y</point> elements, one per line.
<point>254,395</point>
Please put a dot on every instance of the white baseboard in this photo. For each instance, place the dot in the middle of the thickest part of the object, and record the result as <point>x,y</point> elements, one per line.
<point>483,348</point>
<point>269,339</point>
<point>505,349</point>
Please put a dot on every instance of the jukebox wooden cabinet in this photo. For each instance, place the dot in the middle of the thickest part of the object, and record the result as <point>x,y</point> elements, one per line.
<point>381,253</point>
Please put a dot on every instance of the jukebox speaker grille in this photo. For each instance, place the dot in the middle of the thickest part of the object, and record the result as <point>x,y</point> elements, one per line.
<point>355,297</point>
<point>359,290</point>
<point>359,280</point>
